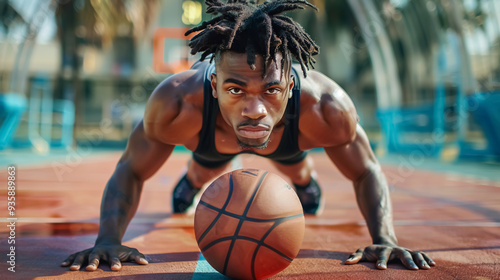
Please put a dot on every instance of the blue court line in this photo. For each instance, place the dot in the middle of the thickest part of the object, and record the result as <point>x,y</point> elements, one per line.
<point>205,271</point>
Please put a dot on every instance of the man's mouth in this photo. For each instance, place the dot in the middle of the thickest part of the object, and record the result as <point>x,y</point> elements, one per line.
<point>251,131</point>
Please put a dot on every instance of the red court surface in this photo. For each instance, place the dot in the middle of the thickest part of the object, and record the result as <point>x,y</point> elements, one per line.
<point>454,218</point>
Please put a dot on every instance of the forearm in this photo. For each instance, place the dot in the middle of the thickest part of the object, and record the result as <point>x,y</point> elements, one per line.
<point>119,204</point>
<point>372,195</point>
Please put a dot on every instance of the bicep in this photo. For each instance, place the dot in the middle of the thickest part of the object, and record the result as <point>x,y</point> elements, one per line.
<point>353,159</point>
<point>145,155</point>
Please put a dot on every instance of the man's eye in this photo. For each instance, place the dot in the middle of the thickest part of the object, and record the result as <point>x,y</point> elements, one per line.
<point>235,91</point>
<point>273,91</point>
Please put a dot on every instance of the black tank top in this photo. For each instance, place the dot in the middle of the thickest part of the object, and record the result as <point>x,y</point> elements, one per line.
<point>288,151</point>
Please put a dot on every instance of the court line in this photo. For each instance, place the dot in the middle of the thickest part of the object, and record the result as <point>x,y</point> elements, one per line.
<point>446,223</point>
<point>335,222</point>
<point>46,220</point>
<point>182,222</point>
<point>205,271</point>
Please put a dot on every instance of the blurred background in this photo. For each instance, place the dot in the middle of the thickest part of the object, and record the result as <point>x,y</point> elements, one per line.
<point>424,75</point>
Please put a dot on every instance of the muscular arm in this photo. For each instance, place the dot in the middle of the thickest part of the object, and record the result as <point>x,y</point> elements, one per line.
<point>356,161</point>
<point>149,146</point>
<point>142,158</point>
<point>347,145</point>
<point>146,151</point>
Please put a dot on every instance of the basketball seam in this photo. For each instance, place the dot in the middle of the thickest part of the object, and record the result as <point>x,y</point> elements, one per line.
<point>249,219</point>
<point>214,242</point>
<point>247,208</point>
<point>248,172</point>
<point>230,193</point>
<point>246,238</point>
<point>242,218</point>
<point>259,245</point>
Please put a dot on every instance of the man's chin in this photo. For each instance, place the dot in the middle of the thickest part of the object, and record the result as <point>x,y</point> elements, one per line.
<point>253,143</point>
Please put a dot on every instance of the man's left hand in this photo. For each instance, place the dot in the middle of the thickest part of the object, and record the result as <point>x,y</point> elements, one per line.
<point>381,254</point>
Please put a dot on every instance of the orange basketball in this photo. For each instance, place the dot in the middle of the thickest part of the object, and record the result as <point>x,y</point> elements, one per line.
<point>249,224</point>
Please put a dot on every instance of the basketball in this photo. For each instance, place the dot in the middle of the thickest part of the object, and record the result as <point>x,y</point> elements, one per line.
<point>249,224</point>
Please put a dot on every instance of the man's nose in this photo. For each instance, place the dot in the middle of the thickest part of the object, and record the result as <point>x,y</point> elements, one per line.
<point>254,109</point>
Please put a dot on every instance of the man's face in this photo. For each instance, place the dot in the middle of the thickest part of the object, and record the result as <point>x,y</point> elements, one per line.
<point>250,103</point>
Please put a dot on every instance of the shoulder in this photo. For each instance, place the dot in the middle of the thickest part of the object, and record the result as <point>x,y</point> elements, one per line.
<point>175,103</point>
<point>328,116</point>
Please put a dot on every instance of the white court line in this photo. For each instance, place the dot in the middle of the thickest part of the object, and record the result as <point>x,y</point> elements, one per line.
<point>42,220</point>
<point>338,222</point>
<point>185,221</point>
<point>446,223</point>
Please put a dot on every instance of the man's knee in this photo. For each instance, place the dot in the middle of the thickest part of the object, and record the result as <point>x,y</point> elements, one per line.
<point>302,177</point>
<point>300,173</point>
<point>199,175</point>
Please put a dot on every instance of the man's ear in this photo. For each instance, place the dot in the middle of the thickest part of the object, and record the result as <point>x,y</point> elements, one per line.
<point>213,83</point>
<point>291,85</point>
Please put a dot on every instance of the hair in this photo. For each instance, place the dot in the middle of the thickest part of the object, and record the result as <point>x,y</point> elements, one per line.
<point>246,27</point>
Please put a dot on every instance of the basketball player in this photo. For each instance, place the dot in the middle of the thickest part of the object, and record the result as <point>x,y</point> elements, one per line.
<point>248,99</point>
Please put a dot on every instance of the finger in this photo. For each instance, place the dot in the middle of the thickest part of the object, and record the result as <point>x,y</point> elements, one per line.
<point>407,260</point>
<point>421,262</point>
<point>138,257</point>
<point>116,265</point>
<point>355,257</point>
<point>69,260</point>
<point>383,257</point>
<point>93,262</point>
<point>77,263</point>
<point>428,260</point>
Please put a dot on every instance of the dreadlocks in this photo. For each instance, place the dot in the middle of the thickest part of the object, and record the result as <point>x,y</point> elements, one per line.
<point>246,27</point>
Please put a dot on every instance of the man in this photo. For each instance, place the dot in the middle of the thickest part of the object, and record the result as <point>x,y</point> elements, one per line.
<point>251,100</point>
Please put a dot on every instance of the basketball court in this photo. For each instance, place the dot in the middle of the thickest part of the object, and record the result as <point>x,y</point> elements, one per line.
<point>436,121</point>
<point>452,212</point>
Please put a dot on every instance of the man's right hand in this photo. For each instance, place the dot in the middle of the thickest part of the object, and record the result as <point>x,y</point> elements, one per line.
<point>113,254</point>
